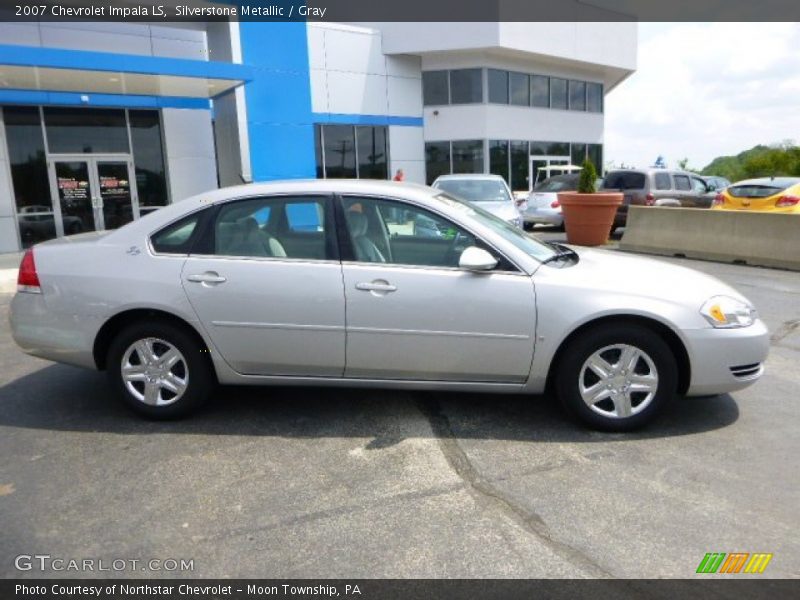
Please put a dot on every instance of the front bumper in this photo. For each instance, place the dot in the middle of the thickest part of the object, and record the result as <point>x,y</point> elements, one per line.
<point>726,360</point>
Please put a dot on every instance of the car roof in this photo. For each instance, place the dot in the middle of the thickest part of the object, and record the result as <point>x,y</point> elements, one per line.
<point>773,181</point>
<point>487,176</point>
<point>651,171</point>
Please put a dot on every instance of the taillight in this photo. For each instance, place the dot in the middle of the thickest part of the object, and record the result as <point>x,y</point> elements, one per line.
<point>520,201</point>
<point>28,280</point>
<point>649,200</point>
<point>785,201</point>
<point>555,204</point>
<point>719,199</point>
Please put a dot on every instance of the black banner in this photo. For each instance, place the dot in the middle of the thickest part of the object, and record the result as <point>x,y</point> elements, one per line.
<point>397,589</point>
<point>398,10</point>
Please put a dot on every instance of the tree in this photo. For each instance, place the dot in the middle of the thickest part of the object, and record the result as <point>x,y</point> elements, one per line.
<point>586,183</point>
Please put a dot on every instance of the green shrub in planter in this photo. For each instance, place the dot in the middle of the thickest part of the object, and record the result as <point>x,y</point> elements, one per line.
<point>588,178</point>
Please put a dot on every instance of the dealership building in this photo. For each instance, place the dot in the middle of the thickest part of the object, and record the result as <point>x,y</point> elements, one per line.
<point>101,123</point>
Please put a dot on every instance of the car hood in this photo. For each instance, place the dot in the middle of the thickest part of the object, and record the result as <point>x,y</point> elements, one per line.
<point>614,272</point>
<point>503,209</point>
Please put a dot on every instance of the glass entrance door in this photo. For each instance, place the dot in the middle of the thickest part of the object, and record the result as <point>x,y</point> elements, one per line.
<point>92,193</point>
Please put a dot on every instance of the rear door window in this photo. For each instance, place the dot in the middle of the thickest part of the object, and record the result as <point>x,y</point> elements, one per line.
<point>663,181</point>
<point>682,183</point>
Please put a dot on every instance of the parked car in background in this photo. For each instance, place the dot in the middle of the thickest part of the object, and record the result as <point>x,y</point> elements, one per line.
<point>37,222</point>
<point>656,187</point>
<point>232,287</point>
<point>772,194</point>
<point>490,192</point>
<point>715,183</point>
<point>542,205</point>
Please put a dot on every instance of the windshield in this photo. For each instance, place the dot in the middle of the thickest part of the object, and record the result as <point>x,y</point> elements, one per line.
<point>560,183</point>
<point>530,246</point>
<point>476,190</point>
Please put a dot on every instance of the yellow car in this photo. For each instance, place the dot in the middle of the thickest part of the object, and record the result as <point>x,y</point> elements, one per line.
<point>772,194</point>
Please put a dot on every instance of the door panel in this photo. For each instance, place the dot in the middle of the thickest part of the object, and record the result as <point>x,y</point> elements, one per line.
<point>115,193</point>
<point>439,324</point>
<point>75,196</point>
<point>271,317</point>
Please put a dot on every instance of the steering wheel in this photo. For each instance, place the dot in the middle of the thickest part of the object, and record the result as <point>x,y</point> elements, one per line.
<point>452,255</point>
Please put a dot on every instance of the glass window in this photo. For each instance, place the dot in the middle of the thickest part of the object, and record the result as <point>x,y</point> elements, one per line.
<point>176,238</point>
<point>318,151</point>
<point>437,160</point>
<point>596,156</point>
<point>624,180</point>
<point>557,148</point>
<point>86,130</point>
<point>519,86</point>
<point>29,175</point>
<point>340,151</point>
<point>148,157</point>
<point>498,86</point>
<point>434,88</point>
<point>699,186</point>
<point>663,181</point>
<point>385,231</point>
<point>540,91</point>
<point>280,227</point>
<point>468,156</point>
<point>466,86</point>
<point>594,97</point>
<point>558,93</point>
<point>519,165</point>
<point>578,154</point>
<point>372,155</point>
<point>476,189</point>
<point>682,183</point>
<point>577,95</point>
<point>498,158</point>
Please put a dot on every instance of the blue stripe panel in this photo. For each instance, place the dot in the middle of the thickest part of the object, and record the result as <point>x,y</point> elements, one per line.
<point>117,100</point>
<point>279,118</point>
<point>58,58</point>
<point>346,119</point>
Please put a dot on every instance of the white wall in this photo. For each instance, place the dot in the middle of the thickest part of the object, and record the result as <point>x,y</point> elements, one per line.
<point>407,152</point>
<point>351,75</point>
<point>185,41</point>
<point>190,156</point>
<point>9,237</point>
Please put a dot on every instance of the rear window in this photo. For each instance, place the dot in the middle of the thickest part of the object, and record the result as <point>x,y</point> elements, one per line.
<point>754,190</point>
<point>177,237</point>
<point>558,184</point>
<point>624,180</point>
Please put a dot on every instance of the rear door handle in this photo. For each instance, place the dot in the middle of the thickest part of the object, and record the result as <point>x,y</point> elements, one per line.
<point>376,286</point>
<point>207,277</point>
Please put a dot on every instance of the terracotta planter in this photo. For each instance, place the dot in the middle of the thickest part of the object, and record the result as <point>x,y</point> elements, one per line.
<point>588,218</point>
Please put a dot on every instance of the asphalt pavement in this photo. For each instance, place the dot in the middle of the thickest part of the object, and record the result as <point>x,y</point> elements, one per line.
<point>287,482</point>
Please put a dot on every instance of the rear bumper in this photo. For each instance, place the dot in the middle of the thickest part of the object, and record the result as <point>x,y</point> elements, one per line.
<point>548,217</point>
<point>40,332</point>
<point>726,360</point>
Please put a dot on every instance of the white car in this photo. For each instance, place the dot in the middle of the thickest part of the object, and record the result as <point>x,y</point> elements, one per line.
<point>333,282</point>
<point>490,192</point>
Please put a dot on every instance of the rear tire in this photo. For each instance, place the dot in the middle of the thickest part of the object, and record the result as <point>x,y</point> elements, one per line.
<point>616,377</point>
<point>160,370</point>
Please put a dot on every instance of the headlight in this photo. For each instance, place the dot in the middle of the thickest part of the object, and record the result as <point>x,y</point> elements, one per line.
<point>725,312</point>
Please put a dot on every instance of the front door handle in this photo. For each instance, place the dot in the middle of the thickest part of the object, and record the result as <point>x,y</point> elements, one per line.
<point>376,286</point>
<point>211,277</point>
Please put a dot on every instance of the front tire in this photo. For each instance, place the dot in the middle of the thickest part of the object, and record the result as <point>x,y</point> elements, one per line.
<point>159,370</point>
<point>616,377</point>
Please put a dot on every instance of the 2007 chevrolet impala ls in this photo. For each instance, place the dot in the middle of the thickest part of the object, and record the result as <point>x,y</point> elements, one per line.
<point>386,284</point>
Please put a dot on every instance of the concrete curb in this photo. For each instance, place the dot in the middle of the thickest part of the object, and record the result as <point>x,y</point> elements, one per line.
<point>8,281</point>
<point>754,238</point>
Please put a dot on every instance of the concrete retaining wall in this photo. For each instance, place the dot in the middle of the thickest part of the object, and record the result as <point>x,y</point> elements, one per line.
<point>755,238</point>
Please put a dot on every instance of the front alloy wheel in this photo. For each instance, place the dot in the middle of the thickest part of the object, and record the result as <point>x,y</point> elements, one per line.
<point>616,376</point>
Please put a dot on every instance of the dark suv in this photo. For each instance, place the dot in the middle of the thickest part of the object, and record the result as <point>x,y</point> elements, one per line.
<point>657,187</point>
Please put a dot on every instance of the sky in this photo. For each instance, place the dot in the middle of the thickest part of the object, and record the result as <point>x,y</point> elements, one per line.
<point>703,90</point>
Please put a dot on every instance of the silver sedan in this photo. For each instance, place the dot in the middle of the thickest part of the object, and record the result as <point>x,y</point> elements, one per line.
<point>342,283</point>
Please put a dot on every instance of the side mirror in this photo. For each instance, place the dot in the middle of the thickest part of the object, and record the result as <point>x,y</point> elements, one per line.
<point>476,259</point>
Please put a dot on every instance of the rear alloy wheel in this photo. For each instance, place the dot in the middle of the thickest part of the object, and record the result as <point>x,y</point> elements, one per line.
<point>159,370</point>
<point>616,378</point>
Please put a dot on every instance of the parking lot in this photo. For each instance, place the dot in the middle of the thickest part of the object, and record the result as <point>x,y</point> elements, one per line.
<point>287,482</point>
